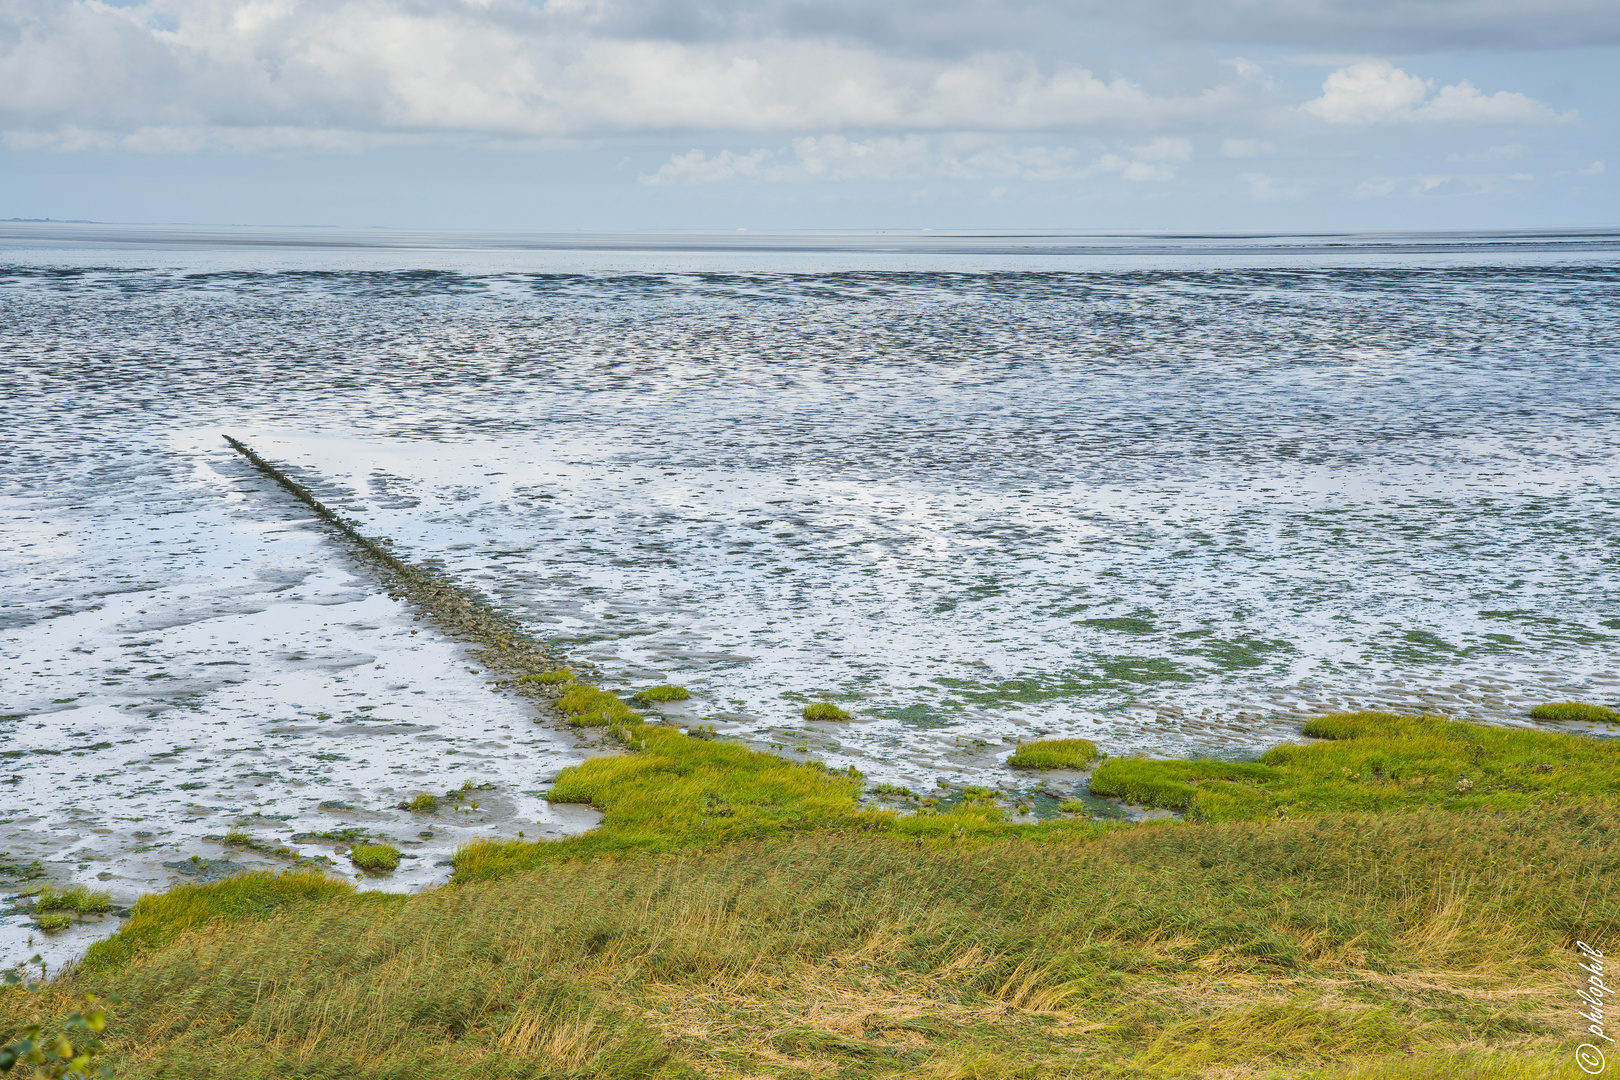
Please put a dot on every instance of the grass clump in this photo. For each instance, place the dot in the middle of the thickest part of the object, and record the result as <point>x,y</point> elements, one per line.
<point>1375,761</point>
<point>586,706</point>
<point>422,803</point>
<point>676,791</point>
<point>654,694</point>
<point>823,710</point>
<point>238,838</point>
<point>1575,711</point>
<point>1054,754</point>
<point>77,898</point>
<point>549,678</point>
<point>380,858</point>
<point>158,918</point>
<point>1181,785</point>
<point>53,921</point>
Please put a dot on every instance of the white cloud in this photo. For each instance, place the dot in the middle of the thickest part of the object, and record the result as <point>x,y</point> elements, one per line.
<point>1506,152</point>
<point>1246,148</point>
<point>1462,103</point>
<point>1594,169</point>
<point>1437,185</point>
<point>1367,93</point>
<point>1164,149</point>
<point>1376,187</point>
<point>835,157</point>
<point>1267,189</point>
<point>696,167</point>
<point>1378,92</point>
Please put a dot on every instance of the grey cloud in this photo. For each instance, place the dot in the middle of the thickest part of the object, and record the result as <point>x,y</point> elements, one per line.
<point>956,26</point>
<point>250,76</point>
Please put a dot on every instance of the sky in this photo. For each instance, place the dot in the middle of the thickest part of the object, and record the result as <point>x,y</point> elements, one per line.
<point>561,115</point>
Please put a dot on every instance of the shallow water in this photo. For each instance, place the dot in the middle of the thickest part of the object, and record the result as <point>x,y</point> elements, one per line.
<point>1171,506</point>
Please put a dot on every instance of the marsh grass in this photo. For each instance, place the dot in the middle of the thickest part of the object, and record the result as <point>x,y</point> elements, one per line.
<point>586,706</point>
<point>53,921</point>
<point>549,678</point>
<point>1485,1064</point>
<point>1054,754</point>
<point>157,918</point>
<point>676,791</point>
<point>655,694</point>
<point>422,803</point>
<point>1335,946</point>
<point>1575,711</point>
<point>378,858</point>
<point>1373,761</point>
<point>76,898</point>
<point>823,710</point>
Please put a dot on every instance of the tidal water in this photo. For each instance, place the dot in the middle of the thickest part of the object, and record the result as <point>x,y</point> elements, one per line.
<point>1173,495</point>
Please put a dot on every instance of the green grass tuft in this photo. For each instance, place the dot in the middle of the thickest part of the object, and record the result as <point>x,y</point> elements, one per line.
<point>1575,711</point>
<point>51,922</point>
<point>586,706</point>
<point>1176,785</point>
<point>238,838</point>
<point>662,693</point>
<point>823,710</point>
<point>1054,754</point>
<point>80,898</point>
<point>1373,761</point>
<point>423,803</point>
<point>546,678</point>
<point>377,857</point>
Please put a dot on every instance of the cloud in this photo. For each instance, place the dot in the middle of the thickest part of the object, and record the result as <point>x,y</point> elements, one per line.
<point>325,76</point>
<point>696,167</point>
<point>1245,148</point>
<point>1378,92</point>
<point>1059,27</point>
<point>74,72</point>
<point>1594,169</point>
<point>1437,185</point>
<point>1263,188</point>
<point>835,157</point>
<point>1505,152</point>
